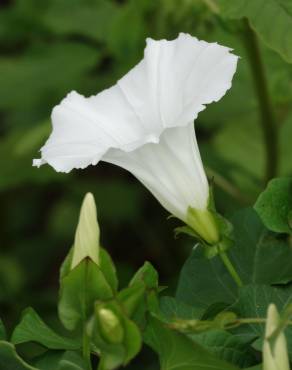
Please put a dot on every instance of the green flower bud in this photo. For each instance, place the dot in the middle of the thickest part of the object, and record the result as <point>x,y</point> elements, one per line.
<point>86,242</point>
<point>204,224</point>
<point>110,325</point>
<point>275,354</point>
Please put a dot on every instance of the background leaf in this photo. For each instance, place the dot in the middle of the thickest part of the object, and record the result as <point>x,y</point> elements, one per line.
<point>32,329</point>
<point>274,205</point>
<point>261,14</point>
<point>178,351</point>
<point>10,360</point>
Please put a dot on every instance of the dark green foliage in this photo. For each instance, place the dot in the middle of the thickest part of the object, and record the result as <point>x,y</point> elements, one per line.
<point>48,48</point>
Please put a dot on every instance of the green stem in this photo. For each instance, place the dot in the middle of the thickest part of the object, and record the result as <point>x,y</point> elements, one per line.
<point>86,349</point>
<point>230,268</point>
<point>268,122</point>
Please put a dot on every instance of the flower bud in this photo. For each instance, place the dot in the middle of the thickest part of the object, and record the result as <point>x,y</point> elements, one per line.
<point>86,242</point>
<point>275,355</point>
<point>110,325</point>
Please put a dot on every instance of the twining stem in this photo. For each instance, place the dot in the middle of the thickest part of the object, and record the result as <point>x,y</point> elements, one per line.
<point>268,121</point>
<point>230,268</point>
<point>86,349</point>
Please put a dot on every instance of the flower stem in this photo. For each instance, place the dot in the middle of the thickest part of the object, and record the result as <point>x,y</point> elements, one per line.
<point>86,349</point>
<point>231,268</point>
<point>268,121</point>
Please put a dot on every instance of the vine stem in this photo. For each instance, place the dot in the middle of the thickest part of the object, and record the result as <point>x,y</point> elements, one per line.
<point>268,121</point>
<point>86,349</point>
<point>230,268</point>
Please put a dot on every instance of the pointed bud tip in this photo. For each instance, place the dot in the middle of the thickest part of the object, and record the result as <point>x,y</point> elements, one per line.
<point>87,234</point>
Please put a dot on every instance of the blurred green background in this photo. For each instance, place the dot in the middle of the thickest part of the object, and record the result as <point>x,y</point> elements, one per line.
<point>48,48</point>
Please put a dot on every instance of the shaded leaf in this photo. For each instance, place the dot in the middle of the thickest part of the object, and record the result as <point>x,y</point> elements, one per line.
<point>261,14</point>
<point>32,329</point>
<point>61,361</point>
<point>10,360</point>
<point>253,301</point>
<point>227,347</point>
<point>80,288</point>
<point>274,205</point>
<point>2,331</point>
<point>177,351</point>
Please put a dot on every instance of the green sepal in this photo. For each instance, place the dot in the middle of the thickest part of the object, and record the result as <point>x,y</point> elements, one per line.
<point>80,288</point>
<point>105,264</point>
<point>132,297</point>
<point>149,276</point>
<point>222,225</point>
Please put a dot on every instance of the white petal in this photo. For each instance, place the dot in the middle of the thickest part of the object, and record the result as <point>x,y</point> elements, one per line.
<point>172,170</point>
<point>168,88</point>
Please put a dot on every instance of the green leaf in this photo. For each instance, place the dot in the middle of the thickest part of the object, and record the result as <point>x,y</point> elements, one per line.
<point>261,14</point>
<point>32,329</point>
<point>49,360</point>
<point>44,70</point>
<point>108,268</point>
<point>227,347</point>
<point>243,162</point>
<point>2,331</point>
<point>172,308</point>
<point>146,274</point>
<point>149,277</point>
<point>259,256</point>
<point>91,19</point>
<point>61,361</point>
<point>205,282</point>
<point>10,360</point>
<point>274,205</point>
<point>177,351</point>
<point>72,361</point>
<point>80,288</point>
<point>254,301</point>
<point>273,261</point>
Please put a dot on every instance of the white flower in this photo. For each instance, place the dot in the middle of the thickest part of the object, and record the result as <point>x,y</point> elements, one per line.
<point>144,123</point>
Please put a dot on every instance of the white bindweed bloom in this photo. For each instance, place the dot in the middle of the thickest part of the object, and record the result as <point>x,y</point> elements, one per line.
<point>144,123</point>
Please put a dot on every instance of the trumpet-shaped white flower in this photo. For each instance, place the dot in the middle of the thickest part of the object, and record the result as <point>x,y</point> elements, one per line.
<point>144,123</point>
